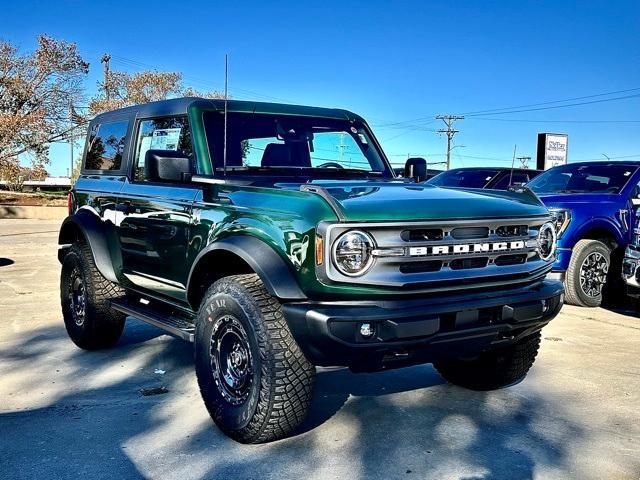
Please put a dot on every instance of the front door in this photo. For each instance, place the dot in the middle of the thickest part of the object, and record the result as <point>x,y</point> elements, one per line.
<point>156,220</point>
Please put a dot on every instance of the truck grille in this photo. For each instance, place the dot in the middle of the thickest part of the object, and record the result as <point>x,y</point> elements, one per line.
<point>433,256</point>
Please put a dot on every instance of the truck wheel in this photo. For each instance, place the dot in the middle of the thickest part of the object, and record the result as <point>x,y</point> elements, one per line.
<point>492,369</point>
<point>254,380</point>
<point>587,273</point>
<point>85,295</point>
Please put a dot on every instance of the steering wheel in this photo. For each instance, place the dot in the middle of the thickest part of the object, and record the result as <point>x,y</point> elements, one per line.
<point>331,165</point>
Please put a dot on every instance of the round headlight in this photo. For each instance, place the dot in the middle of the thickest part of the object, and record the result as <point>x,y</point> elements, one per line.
<point>352,253</point>
<point>547,241</point>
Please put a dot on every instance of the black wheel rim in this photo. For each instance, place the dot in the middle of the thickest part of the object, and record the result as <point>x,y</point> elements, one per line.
<point>593,274</point>
<point>77,297</point>
<point>231,360</point>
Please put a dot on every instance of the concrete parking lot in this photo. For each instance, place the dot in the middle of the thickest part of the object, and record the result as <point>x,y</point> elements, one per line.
<point>66,413</point>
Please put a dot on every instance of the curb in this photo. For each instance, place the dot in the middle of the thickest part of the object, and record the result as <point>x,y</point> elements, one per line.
<point>33,212</point>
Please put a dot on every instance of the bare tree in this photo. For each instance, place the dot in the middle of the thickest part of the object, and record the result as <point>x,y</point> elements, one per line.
<point>122,89</point>
<point>37,94</point>
<point>213,94</point>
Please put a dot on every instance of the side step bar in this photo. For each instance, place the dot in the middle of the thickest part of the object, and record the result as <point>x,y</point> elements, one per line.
<point>171,322</point>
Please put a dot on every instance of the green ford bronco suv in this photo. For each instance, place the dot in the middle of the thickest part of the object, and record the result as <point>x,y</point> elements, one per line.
<point>277,239</point>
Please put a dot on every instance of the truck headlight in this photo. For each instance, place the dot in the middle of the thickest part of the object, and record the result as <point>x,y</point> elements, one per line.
<point>561,219</point>
<point>547,241</point>
<point>352,253</point>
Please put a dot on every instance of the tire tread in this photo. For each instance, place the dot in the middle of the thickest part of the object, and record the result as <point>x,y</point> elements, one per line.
<point>573,295</point>
<point>287,375</point>
<point>493,369</point>
<point>104,325</point>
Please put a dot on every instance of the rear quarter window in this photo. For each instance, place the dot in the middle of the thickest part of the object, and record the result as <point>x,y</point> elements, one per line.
<point>106,146</point>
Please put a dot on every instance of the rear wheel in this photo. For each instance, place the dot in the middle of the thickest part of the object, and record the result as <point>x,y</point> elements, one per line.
<point>84,296</point>
<point>587,273</point>
<point>254,380</point>
<point>493,369</point>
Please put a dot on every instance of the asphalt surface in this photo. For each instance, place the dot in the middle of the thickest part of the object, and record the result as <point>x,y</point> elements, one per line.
<point>66,413</point>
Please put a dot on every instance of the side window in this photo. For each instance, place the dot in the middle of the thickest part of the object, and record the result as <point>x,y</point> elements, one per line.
<point>166,133</point>
<point>106,146</point>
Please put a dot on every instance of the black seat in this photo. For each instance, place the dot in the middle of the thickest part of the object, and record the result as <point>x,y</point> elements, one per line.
<point>283,155</point>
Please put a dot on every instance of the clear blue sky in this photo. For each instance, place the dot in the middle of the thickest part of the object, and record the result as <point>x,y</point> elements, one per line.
<point>392,62</point>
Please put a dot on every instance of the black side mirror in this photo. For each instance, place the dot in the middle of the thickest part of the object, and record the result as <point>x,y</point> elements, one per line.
<point>166,166</point>
<point>416,168</point>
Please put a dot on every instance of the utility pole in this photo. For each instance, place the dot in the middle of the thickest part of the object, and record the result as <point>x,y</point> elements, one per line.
<point>524,161</point>
<point>449,131</point>
<point>107,88</point>
<point>341,147</point>
<point>71,138</point>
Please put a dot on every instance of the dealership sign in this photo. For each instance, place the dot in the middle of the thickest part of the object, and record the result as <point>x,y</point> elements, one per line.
<point>552,150</point>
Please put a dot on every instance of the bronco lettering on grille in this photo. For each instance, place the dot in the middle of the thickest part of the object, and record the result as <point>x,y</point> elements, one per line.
<point>464,248</point>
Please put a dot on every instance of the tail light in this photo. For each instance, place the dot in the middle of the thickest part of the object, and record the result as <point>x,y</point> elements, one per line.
<point>70,203</point>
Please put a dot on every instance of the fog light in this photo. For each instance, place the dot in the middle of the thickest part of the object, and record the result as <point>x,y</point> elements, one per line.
<point>545,306</point>
<point>366,330</point>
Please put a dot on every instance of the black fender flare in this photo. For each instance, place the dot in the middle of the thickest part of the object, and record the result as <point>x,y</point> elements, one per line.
<point>99,236</point>
<point>277,276</point>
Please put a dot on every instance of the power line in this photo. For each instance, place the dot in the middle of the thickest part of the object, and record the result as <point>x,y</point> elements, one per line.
<point>514,108</point>
<point>558,106</point>
<point>498,159</point>
<point>130,63</point>
<point>555,101</point>
<point>526,120</point>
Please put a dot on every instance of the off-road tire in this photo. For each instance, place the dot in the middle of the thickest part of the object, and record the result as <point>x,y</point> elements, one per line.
<point>574,294</point>
<point>279,393</point>
<point>101,326</point>
<point>493,369</point>
<point>634,303</point>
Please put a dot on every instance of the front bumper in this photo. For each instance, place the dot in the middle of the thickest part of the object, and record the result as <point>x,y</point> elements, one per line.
<point>563,257</point>
<point>631,271</point>
<point>409,332</point>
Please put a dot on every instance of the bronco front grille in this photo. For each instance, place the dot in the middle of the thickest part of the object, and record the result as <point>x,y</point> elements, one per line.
<point>433,256</point>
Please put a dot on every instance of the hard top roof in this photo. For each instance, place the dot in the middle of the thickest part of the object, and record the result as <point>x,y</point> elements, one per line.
<point>180,106</point>
<point>634,163</point>
<point>497,169</point>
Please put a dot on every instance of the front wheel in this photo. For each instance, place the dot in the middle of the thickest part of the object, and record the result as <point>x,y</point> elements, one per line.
<point>254,379</point>
<point>493,369</point>
<point>587,273</point>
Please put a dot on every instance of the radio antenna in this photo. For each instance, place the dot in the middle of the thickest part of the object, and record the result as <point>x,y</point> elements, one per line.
<point>226,97</point>
<point>512,163</point>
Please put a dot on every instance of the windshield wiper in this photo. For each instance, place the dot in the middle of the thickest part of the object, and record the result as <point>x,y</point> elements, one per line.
<point>346,170</point>
<point>310,171</point>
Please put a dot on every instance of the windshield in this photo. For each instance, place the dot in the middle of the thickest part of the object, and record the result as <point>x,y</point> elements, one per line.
<point>464,178</point>
<point>293,145</point>
<point>583,178</point>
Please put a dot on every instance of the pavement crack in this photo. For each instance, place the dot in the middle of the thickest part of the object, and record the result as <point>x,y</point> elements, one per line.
<point>631,327</point>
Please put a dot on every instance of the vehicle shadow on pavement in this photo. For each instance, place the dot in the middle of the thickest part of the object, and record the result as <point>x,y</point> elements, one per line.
<point>97,407</point>
<point>333,388</point>
<point>409,421</point>
<point>392,424</point>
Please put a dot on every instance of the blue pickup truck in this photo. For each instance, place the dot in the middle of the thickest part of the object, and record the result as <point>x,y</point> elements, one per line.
<point>593,207</point>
